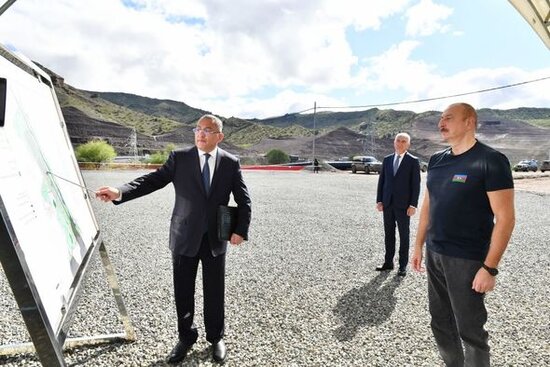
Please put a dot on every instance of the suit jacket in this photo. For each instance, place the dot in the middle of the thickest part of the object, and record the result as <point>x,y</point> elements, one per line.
<point>403,189</point>
<point>193,206</point>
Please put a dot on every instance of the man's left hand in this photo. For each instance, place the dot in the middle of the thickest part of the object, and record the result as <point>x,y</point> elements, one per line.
<point>236,239</point>
<point>411,211</point>
<point>483,281</point>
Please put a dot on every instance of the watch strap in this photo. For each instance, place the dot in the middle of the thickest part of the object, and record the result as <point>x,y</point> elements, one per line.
<point>492,271</point>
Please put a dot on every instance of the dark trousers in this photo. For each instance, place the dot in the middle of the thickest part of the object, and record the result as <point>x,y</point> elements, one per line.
<point>458,312</point>
<point>391,217</point>
<point>213,284</point>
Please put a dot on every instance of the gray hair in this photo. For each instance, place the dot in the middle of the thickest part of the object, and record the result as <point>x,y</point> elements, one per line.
<point>404,135</point>
<point>214,119</point>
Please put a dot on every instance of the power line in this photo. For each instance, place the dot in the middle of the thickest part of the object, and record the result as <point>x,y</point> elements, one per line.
<point>427,99</point>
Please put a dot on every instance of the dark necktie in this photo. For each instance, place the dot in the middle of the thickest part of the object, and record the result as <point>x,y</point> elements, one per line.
<point>395,164</point>
<point>206,173</point>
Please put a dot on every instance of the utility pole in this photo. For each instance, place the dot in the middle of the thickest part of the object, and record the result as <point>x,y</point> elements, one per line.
<point>372,137</point>
<point>314,130</point>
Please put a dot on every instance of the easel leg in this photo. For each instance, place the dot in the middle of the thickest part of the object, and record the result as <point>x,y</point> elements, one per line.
<point>129,334</point>
<point>113,283</point>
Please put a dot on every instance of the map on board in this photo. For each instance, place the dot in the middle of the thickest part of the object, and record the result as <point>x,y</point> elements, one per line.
<point>51,217</point>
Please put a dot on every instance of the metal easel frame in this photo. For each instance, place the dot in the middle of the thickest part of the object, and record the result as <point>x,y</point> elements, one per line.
<point>6,5</point>
<point>48,343</point>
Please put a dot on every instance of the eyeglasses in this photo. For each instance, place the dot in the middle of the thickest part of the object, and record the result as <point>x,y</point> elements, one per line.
<point>207,131</point>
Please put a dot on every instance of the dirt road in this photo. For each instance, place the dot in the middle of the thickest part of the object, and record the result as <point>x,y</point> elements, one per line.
<point>533,182</point>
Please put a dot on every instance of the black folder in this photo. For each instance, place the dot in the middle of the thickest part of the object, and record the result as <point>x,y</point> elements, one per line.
<point>227,221</point>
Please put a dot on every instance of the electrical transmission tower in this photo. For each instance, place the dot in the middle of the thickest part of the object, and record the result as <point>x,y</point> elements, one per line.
<point>132,143</point>
<point>369,140</point>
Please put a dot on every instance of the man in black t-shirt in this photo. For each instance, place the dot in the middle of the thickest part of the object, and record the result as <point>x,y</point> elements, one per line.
<point>466,221</point>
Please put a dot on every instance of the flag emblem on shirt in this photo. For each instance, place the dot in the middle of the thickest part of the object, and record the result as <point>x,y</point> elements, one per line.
<point>460,178</point>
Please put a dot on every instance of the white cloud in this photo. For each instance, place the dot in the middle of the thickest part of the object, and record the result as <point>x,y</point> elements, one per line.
<point>362,14</point>
<point>284,102</point>
<point>171,9</point>
<point>395,69</point>
<point>231,50</point>
<point>427,18</point>
<point>480,79</point>
<point>240,48</point>
<point>225,56</point>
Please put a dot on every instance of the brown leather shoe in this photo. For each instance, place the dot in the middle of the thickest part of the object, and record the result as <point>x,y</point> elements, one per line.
<point>179,352</point>
<point>219,351</point>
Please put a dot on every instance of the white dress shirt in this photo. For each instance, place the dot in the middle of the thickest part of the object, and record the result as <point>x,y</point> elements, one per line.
<point>211,161</point>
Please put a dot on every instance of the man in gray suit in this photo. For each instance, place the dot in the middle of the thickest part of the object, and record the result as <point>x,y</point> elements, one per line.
<point>203,176</point>
<point>397,198</point>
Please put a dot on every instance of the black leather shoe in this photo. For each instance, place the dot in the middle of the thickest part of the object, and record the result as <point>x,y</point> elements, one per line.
<point>384,267</point>
<point>219,351</point>
<point>402,272</point>
<point>179,352</point>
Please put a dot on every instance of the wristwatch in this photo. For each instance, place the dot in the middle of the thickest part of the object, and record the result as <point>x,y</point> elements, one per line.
<point>492,271</point>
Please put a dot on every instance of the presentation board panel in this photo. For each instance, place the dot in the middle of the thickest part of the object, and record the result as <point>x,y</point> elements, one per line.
<point>49,212</point>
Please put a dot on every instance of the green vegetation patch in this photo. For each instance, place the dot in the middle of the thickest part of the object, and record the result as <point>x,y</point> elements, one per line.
<point>254,133</point>
<point>545,123</point>
<point>161,157</point>
<point>96,151</point>
<point>277,156</point>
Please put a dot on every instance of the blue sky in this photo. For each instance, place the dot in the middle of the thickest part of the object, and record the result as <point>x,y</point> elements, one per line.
<point>254,59</point>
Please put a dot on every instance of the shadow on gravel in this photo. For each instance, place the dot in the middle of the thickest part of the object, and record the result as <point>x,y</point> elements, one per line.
<point>18,360</point>
<point>94,351</point>
<point>193,359</point>
<point>367,306</point>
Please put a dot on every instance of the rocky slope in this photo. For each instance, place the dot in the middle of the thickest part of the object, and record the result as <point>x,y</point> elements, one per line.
<point>522,133</point>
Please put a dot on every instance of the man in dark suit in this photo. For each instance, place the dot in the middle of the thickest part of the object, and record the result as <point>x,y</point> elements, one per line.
<point>203,176</point>
<point>397,198</point>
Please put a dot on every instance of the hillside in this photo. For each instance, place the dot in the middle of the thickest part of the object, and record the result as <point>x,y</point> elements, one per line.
<point>520,133</point>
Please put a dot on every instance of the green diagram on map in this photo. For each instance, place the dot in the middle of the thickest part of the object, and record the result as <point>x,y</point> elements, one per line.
<point>50,191</point>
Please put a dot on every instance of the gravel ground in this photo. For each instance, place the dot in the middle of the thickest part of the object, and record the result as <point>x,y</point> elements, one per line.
<point>303,290</point>
<point>538,182</point>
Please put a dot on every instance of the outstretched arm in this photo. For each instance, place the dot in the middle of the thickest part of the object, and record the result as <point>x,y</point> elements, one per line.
<point>140,186</point>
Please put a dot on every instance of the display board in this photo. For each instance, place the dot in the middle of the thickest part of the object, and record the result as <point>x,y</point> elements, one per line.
<point>49,225</point>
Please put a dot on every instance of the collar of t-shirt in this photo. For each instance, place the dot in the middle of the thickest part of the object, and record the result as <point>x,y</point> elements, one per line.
<point>211,160</point>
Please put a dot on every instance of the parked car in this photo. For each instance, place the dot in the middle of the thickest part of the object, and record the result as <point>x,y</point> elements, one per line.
<point>526,165</point>
<point>545,166</point>
<point>341,164</point>
<point>365,163</point>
